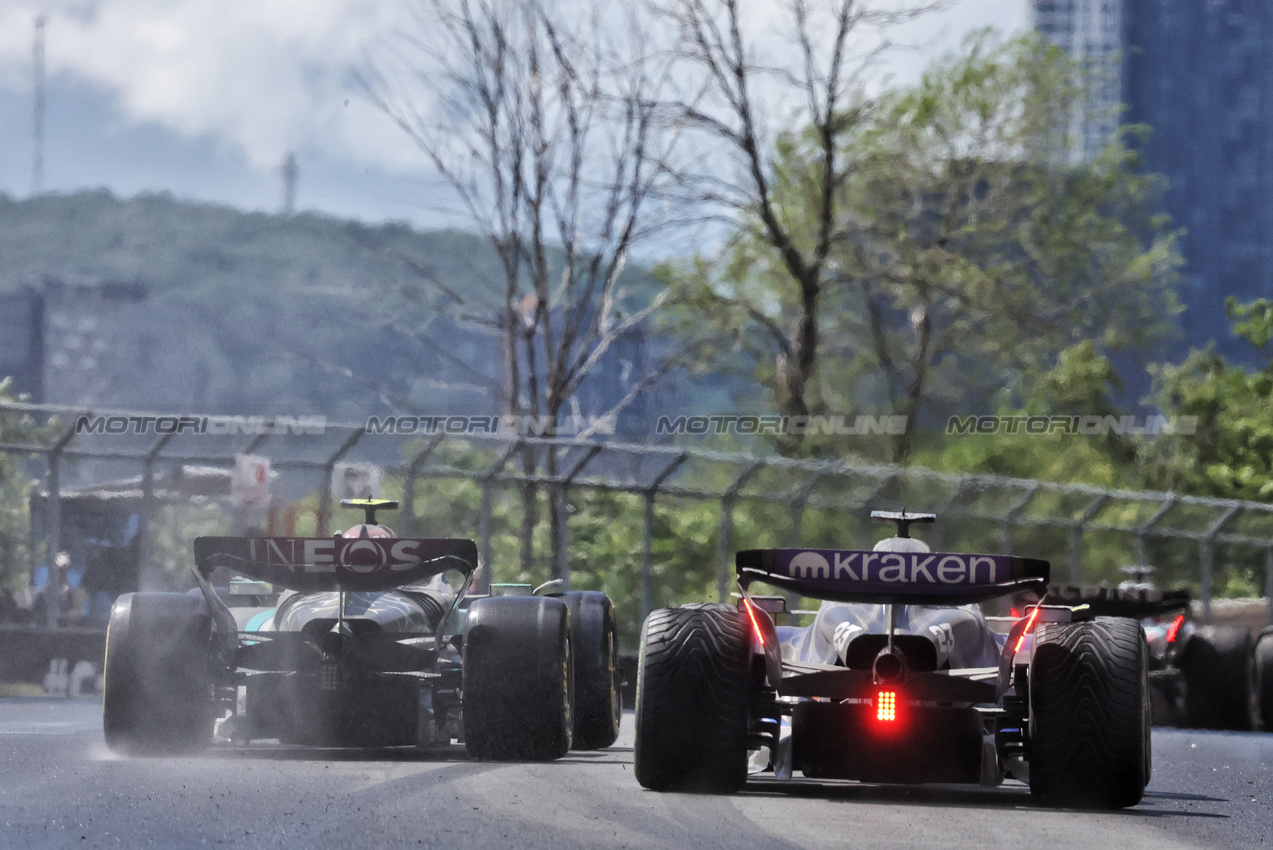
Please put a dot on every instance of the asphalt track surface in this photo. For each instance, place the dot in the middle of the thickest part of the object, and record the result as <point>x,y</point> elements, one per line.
<point>60,787</point>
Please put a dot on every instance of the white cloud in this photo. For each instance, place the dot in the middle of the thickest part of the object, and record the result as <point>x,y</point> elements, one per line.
<point>262,75</point>
<point>266,76</point>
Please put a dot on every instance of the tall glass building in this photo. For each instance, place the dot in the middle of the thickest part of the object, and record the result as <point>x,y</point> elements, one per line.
<point>1200,74</point>
<point>1092,32</point>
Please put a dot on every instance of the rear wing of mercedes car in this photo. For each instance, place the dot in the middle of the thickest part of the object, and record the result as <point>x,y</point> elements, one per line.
<point>1137,603</point>
<point>902,578</point>
<point>335,563</point>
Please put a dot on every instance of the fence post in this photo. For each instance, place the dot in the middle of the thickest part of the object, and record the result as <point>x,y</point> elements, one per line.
<point>561,540</point>
<point>53,580</point>
<point>561,493</point>
<point>485,570</point>
<point>799,501</point>
<point>1143,530</point>
<point>647,535</point>
<point>1076,537</point>
<point>937,537</point>
<point>325,494</point>
<point>647,559</point>
<point>727,527</point>
<point>408,483</point>
<point>1208,556</point>
<point>1010,517</point>
<point>144,547</point>
<point>862,518</point>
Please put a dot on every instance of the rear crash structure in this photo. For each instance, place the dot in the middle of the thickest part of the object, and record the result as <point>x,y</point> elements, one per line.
<point>898,680</point>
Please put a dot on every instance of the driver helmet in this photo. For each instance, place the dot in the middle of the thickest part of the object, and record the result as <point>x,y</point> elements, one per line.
<point>901,544</point>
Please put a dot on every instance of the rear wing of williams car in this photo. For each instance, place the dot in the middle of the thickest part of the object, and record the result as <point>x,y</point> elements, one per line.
<point>335,563</point>
<point>904,578</point>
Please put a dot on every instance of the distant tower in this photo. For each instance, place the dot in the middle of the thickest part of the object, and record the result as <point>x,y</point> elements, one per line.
<point>37,162</point>
<point>1090,31</point>
<point>291,171</point>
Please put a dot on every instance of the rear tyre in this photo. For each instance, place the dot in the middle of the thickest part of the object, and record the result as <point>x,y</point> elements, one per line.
<point>518,679</point>
<point>1220,679</point>
<point>598,705</point>
<point>1264,672</point>
<point>693,700</point>
<point>158,677</point>
<point>1090,713</point>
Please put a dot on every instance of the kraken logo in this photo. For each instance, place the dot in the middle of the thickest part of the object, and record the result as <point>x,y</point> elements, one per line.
<point>809,565</point>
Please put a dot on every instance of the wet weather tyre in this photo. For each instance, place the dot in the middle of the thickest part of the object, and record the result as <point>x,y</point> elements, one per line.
<point>518,679</point>
<point>693,700</point>
<point>598,706</point>
<point>1264,673</point>
<point>158,675</point>
<point>1220,679</point>
<point>1090,713</point>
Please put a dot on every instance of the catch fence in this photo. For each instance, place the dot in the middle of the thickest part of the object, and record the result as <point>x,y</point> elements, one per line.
<point>678,504</point>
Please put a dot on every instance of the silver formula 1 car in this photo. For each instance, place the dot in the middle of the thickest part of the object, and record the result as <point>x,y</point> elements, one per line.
<point>376,642</point>
<point>898,679</point>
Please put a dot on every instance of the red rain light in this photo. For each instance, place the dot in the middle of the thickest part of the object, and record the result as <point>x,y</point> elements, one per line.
<point>1029,627</point>
<point>755,626</point>
<point>886,706</point>
<point>1174,629</point>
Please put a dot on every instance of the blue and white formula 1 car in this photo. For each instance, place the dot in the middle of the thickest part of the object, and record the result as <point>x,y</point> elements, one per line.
<point>376,643</point>
<point>898,679</point>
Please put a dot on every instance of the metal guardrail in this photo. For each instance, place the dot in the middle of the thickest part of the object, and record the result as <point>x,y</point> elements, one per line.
<point>1003,508</point>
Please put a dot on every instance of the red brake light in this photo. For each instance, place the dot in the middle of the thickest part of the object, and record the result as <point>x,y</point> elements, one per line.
<point>886,706</point>
<point>1029,627</point>
<point>755,626</point>
<point>1174,629</point>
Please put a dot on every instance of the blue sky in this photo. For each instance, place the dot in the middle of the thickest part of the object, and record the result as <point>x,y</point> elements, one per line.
<point>203,99</point>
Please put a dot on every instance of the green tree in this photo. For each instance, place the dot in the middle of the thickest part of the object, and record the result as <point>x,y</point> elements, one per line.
<point>968,254</point>
<point>737,98</point>
<point>1230,452</point>
<point>1079,384</point>
<point>17,428</point>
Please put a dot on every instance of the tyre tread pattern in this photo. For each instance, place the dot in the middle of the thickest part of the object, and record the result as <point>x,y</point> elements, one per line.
<point>693,699</point>
<point>1090,713</point>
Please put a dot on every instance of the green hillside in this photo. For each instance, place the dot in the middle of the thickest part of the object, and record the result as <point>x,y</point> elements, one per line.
<point>177,248</point>
<point>256,311</point>
<point>253,310</point>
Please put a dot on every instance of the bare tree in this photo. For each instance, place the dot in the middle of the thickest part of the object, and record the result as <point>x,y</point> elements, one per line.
<point>542,122</point>
<point>732,98</point>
